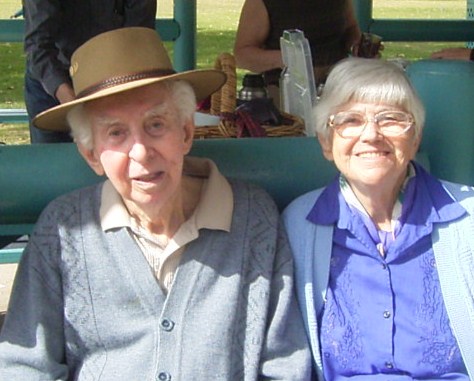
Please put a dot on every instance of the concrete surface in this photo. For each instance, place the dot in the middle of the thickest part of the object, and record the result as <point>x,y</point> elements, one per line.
<point>7,273</point>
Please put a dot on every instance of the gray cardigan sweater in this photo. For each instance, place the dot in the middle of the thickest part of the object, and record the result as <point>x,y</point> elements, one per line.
<point>86,306</point>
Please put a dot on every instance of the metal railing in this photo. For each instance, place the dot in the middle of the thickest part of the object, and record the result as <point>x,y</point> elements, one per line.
<point>412,29</point>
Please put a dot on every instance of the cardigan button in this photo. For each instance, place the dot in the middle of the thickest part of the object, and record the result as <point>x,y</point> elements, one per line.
<point>167,325</point>
<point>164,376</point>
<point>389,365</point>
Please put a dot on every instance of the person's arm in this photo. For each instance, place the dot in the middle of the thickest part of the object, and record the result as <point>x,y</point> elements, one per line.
<point>140,13</point>
<point>42,20</point>
<point>352,32</point>
<point>253,30</point>
<point>462,53</point>
<point>32,344</point>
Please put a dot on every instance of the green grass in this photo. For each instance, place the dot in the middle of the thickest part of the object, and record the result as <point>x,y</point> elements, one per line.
<point>420,9</point>
<point>11,75</point>
<point>216,25</point>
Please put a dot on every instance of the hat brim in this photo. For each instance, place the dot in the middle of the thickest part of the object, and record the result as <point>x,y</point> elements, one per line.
<point>204,82</point>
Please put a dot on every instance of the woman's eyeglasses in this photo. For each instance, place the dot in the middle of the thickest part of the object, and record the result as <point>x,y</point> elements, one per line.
<point>351,124</point>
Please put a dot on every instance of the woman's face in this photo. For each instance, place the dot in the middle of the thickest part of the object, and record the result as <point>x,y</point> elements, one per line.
<point>371,159</point>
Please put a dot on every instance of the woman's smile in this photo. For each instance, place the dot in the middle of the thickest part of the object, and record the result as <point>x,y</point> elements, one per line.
<point>372,154</point>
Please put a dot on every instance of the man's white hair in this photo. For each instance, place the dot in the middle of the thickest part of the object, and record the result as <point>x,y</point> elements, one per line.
<point>182,97</point>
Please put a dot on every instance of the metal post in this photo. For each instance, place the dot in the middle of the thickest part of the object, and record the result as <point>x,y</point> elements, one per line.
<point>185,44</point>
<point>470,16</point>
<point>363,13</point>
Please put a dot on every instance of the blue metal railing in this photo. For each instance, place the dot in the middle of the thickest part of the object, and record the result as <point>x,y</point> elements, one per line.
<point>412,29</point>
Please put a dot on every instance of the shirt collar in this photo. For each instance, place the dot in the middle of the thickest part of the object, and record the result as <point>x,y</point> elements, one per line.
<point>354,202</point>
<point>214,210</point>
<point>433,200</point>
<point>325,210</point>
<point>431,203</point>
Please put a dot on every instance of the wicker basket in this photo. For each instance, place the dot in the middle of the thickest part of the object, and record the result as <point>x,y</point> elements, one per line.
<point>223,103</point>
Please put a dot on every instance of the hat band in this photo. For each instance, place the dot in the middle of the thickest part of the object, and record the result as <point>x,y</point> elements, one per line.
<point>120,80</point>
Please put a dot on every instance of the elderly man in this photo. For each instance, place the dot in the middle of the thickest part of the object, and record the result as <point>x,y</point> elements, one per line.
<point>166,271</point>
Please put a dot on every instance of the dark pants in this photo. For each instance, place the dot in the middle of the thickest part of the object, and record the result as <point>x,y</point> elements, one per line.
<point>38,100</point>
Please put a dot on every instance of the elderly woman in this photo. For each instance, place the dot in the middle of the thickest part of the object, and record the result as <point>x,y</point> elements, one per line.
<point>384,254</point>
<point>166,271</point>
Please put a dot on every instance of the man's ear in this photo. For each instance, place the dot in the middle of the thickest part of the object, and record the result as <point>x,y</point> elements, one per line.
<point>188,134</point>
<point>91,158</point>
<point>326,144</point>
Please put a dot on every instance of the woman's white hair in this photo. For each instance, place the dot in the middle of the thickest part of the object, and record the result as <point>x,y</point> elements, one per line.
<point>182,97</point>
<point>367,81</point>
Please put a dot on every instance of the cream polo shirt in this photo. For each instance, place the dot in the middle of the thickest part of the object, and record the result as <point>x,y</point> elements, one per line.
<point>214,211</point>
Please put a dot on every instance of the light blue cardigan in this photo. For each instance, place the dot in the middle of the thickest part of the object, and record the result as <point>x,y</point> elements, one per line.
<point>453,246</point>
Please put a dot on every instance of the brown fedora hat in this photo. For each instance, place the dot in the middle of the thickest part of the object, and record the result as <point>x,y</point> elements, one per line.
<point>121,60</point>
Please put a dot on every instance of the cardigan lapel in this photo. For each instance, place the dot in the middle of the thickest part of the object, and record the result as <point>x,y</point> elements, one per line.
<point>454,254</point>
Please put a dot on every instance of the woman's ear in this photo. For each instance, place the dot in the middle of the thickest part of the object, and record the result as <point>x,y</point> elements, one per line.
<point>418,140</point>
<point>326,144</point>
<point>91,158</point>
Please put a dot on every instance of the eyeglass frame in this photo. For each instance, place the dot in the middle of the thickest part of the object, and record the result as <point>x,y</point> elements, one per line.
<point>410,121</point>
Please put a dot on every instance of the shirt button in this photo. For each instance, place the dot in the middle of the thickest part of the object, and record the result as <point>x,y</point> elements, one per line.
<point>387,314</point>
<point>163,376</point>
<point>389,365</point>
<point>384,266</point>
<point>167,325</point>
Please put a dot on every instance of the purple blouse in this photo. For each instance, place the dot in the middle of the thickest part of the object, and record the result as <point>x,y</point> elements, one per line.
<point>384,317</point>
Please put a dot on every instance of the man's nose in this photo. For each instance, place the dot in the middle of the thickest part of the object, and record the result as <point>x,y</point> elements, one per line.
<point>140,149</point>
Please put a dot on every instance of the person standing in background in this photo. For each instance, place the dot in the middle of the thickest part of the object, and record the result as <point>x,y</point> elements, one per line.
<point>330,27</point>
<point>55,29</point>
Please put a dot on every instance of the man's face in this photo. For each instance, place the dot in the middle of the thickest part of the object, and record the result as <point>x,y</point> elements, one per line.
<point>139,144</point>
